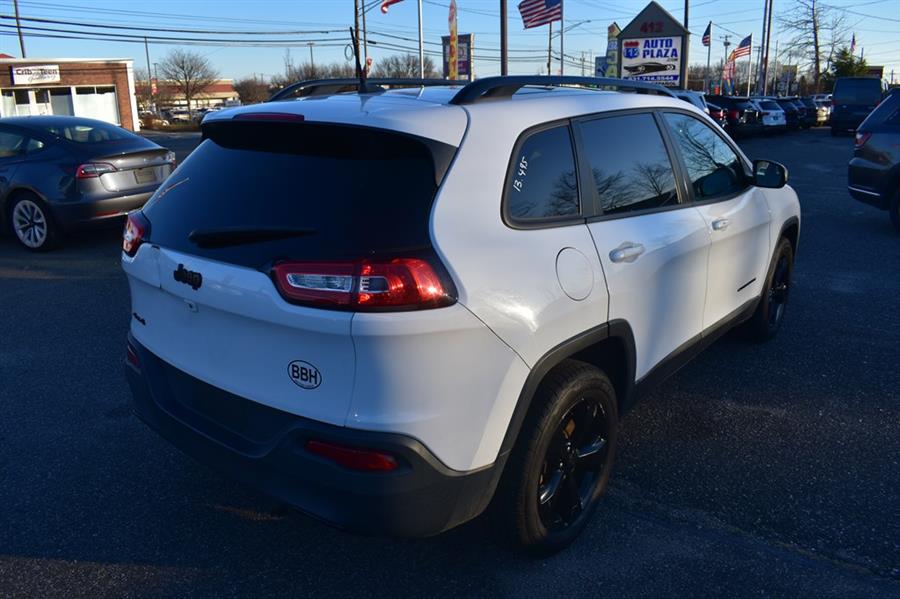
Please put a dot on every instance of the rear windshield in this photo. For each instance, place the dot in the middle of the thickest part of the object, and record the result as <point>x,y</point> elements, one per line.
<point>857,91</point>
<point>356,192</point>
<point>88,133</point>
<point>769,105</point>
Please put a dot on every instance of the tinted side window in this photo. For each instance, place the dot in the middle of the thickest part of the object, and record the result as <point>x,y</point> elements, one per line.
<point>11,143</point>
<point>629,163</point>
<point>542,181</point>
<point>713,167</point>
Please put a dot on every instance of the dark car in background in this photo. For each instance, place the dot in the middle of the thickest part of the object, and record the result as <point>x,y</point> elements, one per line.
<point>852,99</point>
<point>791,112</point>
<point>717,113</point>
<point>58,173</point>
<point>743,118</point>
<point>873,175</point>
<point>812,111</point>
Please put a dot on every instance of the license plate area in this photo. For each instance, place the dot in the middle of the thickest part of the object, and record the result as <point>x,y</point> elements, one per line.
<point>145,175</point>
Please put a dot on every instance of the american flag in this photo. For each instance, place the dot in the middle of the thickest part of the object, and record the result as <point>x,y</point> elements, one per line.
<point>540,12</point>
<point>706,34</point>
<point>743,48</point>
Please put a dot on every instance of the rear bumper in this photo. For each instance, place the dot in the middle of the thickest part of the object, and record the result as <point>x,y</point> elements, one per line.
<point>264,448</point>
<point>86,212</point>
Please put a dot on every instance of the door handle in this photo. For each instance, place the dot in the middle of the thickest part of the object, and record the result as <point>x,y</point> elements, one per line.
<point>720,224</point>
<point>627,252</point>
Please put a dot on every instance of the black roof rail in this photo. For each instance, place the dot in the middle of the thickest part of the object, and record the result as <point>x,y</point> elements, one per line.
<point>505,87</point>
<point>326,87</point>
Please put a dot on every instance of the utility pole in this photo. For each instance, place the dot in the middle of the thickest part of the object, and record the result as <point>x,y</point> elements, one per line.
<point>765,67</point>
<point>356,31</point>
<point>549,46</point>
<point>19,28</point>
<point>685,50</point>
<point>504,52</point>
<point>150,83</point>
<point>365,39</point>
<point>312,62</point>
<point>762,47</point>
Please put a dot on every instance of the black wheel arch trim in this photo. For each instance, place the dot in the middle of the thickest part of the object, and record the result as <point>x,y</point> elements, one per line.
<point>615,329</point>
<point>791,222</point>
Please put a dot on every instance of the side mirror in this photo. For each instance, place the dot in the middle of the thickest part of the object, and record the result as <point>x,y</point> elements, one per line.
<point>769,174</point>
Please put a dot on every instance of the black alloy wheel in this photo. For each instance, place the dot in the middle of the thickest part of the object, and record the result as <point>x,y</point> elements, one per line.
<point>573,463</point>
<point>777,294</point>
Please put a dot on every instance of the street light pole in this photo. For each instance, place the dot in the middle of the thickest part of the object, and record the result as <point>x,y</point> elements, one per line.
<point>562,37</point>
<point>421,46</point>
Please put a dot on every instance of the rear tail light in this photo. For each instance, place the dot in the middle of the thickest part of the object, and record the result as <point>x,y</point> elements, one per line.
<point>136,228</point>
<point>365,285</point>
<point>92,170</point>
<point>170,158</point>
<point>734,114</point>
<point>861,139</point>
<point>366,460</point>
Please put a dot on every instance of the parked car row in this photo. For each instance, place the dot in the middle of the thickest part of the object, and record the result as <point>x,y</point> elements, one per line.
<point>754,115</point>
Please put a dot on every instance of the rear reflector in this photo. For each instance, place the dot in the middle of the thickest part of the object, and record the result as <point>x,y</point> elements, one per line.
<point>364,285</point>
<point>861,139</point>
<point>136,228</point>
<point>366,460</point>
<point>131,356</point>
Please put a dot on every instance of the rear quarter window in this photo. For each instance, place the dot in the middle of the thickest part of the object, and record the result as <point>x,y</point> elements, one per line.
<point>542,183</point>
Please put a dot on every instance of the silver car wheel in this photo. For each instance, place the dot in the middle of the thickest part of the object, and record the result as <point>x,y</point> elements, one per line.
<point>30,224</point>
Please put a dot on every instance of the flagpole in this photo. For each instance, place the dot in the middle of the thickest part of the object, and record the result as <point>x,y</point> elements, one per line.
<point>708,58</point>
<point>750,65</point>
<point>562,36</point>
<point>549,47</point>
<point>421,46</point>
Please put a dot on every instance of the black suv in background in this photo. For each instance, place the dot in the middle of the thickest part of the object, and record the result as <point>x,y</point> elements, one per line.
<point>852,100</point>
<point>791,112</point>
<point>743,118</point>
<point>873,175</point>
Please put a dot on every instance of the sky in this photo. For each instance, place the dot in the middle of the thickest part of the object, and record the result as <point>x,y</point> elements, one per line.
<point>324,23</point>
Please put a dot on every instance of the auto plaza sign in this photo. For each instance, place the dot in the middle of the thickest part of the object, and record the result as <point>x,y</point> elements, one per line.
<point>653,48</point>
<point>653,59</point>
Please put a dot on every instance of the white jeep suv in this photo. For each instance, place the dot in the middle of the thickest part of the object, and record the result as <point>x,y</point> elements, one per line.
<point>392,308</point>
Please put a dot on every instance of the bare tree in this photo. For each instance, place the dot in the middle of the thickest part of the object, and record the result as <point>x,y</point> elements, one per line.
<point>252,90</point>
<point>188,72</point>
<point>305,71</point>
<point>142,89</point>
<point>816,31</point>
<point>403,65</point>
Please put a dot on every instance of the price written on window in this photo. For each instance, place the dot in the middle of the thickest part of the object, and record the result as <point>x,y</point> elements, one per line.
<point>652,27</point>
<point>521,172</point>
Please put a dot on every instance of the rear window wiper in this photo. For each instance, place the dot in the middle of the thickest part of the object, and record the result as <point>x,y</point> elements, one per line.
<point>227,236</point>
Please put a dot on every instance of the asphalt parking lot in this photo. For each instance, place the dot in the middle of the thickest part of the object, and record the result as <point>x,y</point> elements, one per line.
<point>758,470</point>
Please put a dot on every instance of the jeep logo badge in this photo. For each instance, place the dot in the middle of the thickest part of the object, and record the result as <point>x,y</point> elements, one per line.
<point>188,277</point>
<point>304,374</point>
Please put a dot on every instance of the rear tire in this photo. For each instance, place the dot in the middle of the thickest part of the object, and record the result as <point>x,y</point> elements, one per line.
<point>894,209</point>
<point>766,320</point>
<point>31,223</point>
<point>561,462</point>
